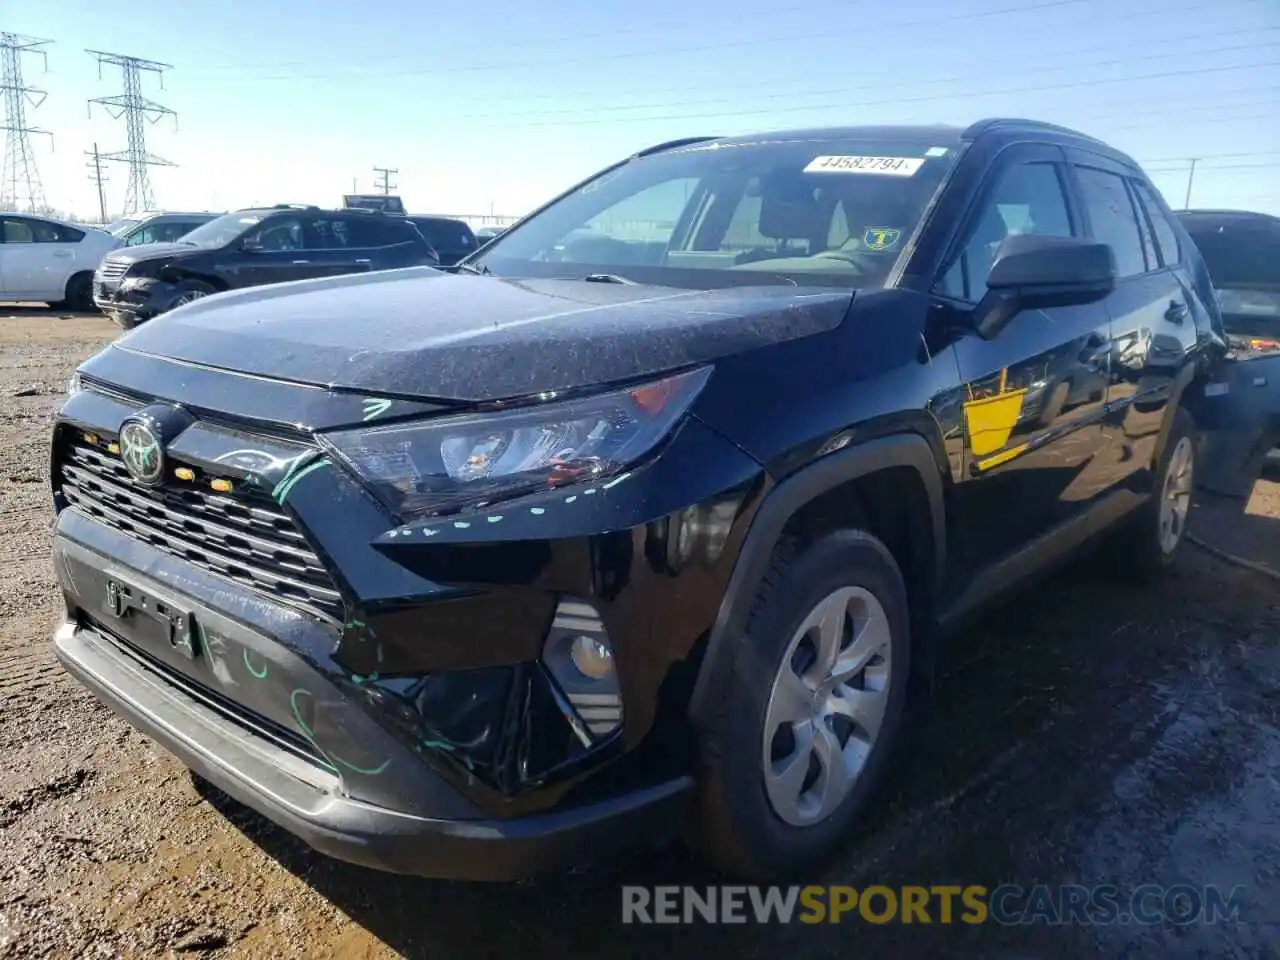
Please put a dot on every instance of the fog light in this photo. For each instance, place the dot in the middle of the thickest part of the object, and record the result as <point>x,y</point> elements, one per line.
<point>592,656</point>
<point>578,655</point>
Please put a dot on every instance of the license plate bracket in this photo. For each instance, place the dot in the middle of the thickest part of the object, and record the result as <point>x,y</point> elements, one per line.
<point>154,618</point>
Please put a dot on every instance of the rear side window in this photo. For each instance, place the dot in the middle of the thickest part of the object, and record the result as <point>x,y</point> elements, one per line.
<point>1166,237</point>
<point>446,234</point>
<point>1106,199</point>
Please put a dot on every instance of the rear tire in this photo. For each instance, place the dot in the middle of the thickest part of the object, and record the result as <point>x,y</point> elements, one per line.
<point>771,806</point>
<point>79,295</point>
<point>1150,543</point>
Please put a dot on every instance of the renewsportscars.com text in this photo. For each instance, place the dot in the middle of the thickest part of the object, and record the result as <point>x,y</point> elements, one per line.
<point>1008,904</point>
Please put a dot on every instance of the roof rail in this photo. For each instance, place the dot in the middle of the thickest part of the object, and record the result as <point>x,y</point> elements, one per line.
<point>672,145</point>
<point>979,127</point>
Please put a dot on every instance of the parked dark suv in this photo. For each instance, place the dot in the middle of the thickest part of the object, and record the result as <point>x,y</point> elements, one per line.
<point>249,248</point>
<point>641,518</point>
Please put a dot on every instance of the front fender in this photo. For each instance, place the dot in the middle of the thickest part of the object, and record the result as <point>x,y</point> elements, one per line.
<point>779,506</point>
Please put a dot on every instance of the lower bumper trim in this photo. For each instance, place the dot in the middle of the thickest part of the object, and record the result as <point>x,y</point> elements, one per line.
<point>308,803</point>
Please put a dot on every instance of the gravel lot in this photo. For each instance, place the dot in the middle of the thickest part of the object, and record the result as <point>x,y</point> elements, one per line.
<point>1086,733</point>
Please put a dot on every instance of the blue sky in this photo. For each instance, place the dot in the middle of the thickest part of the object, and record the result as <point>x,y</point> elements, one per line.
<point>496,106</point>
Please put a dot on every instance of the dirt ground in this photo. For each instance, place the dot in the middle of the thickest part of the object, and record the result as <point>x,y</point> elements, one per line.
<point>1085,733</point>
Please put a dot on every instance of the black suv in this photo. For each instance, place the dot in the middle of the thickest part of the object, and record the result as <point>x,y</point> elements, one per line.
<point>249,248</point>
<point>641,518</point>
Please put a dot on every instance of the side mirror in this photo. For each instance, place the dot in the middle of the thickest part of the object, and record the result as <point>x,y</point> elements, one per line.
<point>1034,272</point>
<point>251,244</point>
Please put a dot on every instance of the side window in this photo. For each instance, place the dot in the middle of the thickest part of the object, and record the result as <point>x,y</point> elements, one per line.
<point>21,230</point>
<point>743,232</point>
<point>18,231</point>
<point>649,216</point>
<point>280,234</point>
<point>69,234</point>
<point>1144,228</point>
<point>1026,198</point>
<point>366,232</point>
<point>145,235</point>
<point>1166,238</point>
<point>328,233</point>
<point>1112,217</point>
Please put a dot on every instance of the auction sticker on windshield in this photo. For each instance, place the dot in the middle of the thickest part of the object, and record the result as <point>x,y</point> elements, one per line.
<point>892,166</point>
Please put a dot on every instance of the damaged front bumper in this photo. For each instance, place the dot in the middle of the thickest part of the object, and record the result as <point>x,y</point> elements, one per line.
<point>386,695</point>
<point>135,300</point>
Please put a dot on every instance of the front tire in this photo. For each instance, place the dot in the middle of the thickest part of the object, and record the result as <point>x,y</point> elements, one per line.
<point>190,291</point>
<point>816,697</point>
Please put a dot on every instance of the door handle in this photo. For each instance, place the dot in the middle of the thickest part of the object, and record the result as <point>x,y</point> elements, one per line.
<point>301,261</point>
<point>365,260</point>
<point>1177,312</point>
<point>62,253</point>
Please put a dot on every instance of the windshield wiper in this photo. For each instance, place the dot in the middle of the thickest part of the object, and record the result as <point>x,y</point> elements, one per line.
<point>608,278</point>
<point>480,271</point>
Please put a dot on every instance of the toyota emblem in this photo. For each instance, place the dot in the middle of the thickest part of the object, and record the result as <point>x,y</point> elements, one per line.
<point>141,452</point>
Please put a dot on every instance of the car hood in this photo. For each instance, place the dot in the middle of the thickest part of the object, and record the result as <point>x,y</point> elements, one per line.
<point>426,334</point>
<point>154,251</point>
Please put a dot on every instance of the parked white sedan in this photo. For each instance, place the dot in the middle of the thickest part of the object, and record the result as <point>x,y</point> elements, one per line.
<point>48,260</point>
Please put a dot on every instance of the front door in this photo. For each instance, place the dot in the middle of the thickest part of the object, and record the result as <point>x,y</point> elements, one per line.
<point>37,260</point>
<point>1035,394</point>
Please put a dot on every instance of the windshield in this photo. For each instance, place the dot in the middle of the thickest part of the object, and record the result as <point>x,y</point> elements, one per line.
<point>220,231</point>
<point>117,227</point>
<point>1242,256</point>
<point>802,211</point>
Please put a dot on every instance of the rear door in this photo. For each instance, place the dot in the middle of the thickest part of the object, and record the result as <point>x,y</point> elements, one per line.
<point>1153,320</point>
<point>1036,393</point>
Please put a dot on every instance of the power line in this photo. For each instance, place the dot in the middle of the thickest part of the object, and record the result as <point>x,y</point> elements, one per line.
<point>20,185</point>
<point>99,178</point>
<point>846,105</point>
<point>384,179</point>
<point>612,110</point>
<point>648,89</point>
<point>700,48</point>
<point>136,110</point>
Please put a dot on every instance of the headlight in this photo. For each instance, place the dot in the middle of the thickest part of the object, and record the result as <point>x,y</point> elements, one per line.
<point>440,466</point>
<point>73,386</point>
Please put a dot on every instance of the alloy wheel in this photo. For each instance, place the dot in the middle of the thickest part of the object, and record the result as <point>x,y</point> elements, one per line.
<point>1175,499</point>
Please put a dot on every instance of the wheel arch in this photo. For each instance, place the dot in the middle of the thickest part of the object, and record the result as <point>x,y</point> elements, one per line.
<point>846,471</point>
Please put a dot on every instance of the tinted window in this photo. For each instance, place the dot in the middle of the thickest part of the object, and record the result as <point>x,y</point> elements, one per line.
<point>22,230</point>
<point>1027,198</point>
<point>378,231</point>
<point>1111,215</point>
<point>446,234</point>
<point>1166,237</point>
<point>831,211</point>
<point>328,233</point>
<point>280,233</point>
<point>1152,260</point>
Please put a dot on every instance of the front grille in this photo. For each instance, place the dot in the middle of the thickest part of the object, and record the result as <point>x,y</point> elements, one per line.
<point>242,536</point>
<point>111,269</point>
